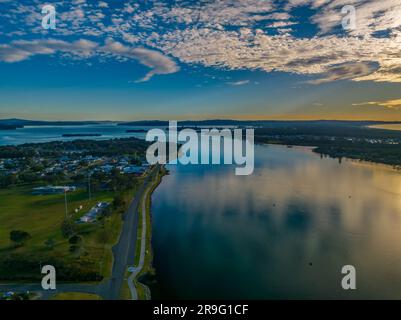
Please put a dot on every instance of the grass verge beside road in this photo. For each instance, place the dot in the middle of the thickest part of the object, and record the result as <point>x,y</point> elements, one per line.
<point>76,296</point>
<point>147,272</point>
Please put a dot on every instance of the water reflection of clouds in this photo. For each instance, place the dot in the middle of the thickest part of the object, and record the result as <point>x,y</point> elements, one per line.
<point>276,186</point>
<point>296,207</point>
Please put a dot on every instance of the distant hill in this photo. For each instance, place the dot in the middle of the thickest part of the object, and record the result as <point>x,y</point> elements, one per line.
<point>8,124</point>
<point>162,123</point>
<point>19,123</point>
<point>254,123</point>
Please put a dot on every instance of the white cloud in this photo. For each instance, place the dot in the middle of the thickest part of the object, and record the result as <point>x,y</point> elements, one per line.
<point>238,83</point>
<point>371,15</point>
<point>20,50</point>
<point>346,71</point>
<point>128,8</point>
<point>285,53</point>
<point>156,61</point>
<point>281,24</point>
<point>10,54</point>
<point>278,16</point>
<point>221,12</point>
<point>233,34</point>
<point>333,57</point>
<point>388,104</point>
<point>103,4</point>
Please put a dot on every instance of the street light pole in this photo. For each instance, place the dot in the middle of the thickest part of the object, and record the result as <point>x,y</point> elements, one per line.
<point>65,202</point>
<point>89,186</point>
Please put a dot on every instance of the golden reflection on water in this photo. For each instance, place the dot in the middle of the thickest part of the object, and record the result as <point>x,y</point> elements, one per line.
<point>396,126</point>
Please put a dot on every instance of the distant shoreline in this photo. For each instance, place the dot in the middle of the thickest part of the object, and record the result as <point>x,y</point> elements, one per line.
<point>9,127</point>
<point>70,135</point>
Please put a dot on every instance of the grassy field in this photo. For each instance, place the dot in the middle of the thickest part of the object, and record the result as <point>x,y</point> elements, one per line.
<point>125,293</point>
<point>76,296</point>
<point>42,217</point>
<point>138,236</point>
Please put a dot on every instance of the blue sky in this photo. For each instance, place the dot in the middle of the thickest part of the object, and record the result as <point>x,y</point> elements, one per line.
<point>249,59</point>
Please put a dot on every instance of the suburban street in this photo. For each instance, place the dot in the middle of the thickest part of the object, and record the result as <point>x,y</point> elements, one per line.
<point>123,253</point>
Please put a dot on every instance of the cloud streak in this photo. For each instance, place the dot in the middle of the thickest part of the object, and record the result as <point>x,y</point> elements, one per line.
<point>388,104</point>
<point>347,71</point>
<point>156,61</point>
<point>20,50</point>
<point>239,83</point>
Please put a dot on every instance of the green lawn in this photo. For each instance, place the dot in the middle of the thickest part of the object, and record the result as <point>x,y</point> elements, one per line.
<point>41,216</point>
<point>76,296</point>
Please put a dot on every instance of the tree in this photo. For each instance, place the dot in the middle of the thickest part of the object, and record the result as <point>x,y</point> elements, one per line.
<point>75,244</point>
<point>50,243</point>
<point>67,229</point>
<point>118,201</point>
<point>78,178</point>
<point>19,237</point>
<point>76,239</point>
<point>8,180</point>
<point>27,176</point>
<point>107,212</point>
<point>103,236</point>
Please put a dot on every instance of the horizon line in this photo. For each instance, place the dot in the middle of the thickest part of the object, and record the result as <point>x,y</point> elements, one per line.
<point>205,119</point>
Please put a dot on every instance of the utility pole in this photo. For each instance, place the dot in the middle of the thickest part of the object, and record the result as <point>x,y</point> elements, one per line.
<point>65,202</point>
<point>89,186</point>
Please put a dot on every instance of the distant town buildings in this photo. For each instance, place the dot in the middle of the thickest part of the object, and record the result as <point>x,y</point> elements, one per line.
<point>133,169</point>
<point>78,170</point>
<point>65,165</point>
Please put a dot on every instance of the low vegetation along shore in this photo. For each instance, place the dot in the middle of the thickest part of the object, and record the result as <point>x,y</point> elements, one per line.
<point>146,277</point>
<point>339,141</point>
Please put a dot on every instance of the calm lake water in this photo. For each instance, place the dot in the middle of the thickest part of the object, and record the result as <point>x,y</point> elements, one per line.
<point>284,232</point>
<point>33,134</point>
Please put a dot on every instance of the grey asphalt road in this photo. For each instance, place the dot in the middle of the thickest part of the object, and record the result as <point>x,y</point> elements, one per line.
<point>124,250</point>
<point>124,256</point>
<point>137,270</point>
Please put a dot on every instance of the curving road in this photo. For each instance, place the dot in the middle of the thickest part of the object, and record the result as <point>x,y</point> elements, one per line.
<point>136,270</point>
